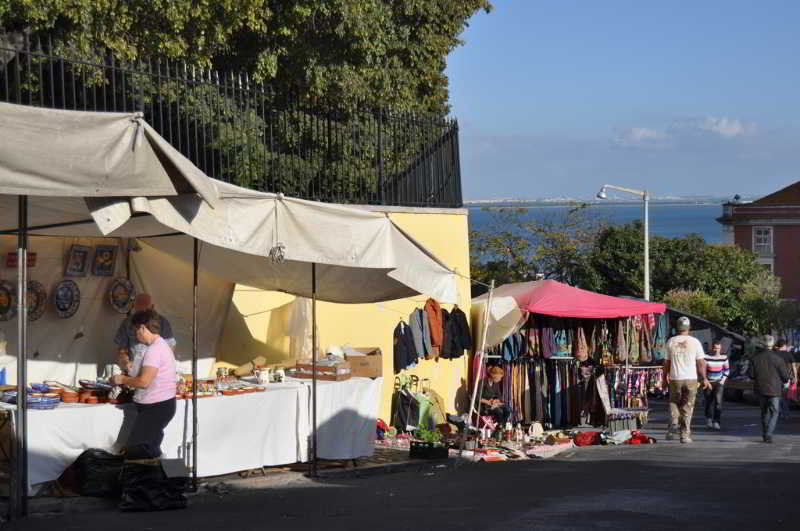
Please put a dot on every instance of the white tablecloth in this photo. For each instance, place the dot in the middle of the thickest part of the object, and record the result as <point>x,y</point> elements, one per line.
<point>235,432</point>
<point>346,417</point>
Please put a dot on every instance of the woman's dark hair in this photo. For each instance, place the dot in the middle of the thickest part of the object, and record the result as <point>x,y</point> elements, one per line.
<point>148,318</point>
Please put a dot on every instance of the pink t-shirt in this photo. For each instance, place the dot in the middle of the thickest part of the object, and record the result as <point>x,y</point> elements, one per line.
<point>164,386</point>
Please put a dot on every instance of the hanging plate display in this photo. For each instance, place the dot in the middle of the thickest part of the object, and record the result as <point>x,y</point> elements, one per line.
<point>66,298</point>
<point>121,295</point>
<point>8,300</point>
<point>36,297</point>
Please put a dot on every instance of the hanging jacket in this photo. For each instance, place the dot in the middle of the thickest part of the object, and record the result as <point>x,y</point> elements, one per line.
<point>447,336</point>
<point>421,332</point>
<point>404,350</point>
<point>434,313</point>
<point>460,332</point>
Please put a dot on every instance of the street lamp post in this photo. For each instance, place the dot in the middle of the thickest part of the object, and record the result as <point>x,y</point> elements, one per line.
<point>646,200</point>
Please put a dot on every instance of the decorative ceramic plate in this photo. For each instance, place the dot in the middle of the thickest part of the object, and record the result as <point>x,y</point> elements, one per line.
<point>66,298</point>
<point>121,295</point>
<point>37,300</point>
<point>8,300</point>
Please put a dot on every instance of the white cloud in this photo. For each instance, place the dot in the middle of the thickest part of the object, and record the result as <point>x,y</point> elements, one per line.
<point>726,127</point>
<point>710,126</point>
<point>638,136</point>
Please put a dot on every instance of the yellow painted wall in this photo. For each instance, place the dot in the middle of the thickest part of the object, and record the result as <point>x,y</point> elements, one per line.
<point>258,320</point>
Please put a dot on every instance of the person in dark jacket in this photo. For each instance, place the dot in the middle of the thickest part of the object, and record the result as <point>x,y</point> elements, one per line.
<point>770,374</point>
<point>782,350</point>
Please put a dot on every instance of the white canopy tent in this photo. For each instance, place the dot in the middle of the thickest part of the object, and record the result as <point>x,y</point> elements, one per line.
<point>267,241</point>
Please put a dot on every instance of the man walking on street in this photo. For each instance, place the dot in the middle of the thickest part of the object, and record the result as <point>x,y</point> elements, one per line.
<point>770,374</point>
<point>684,364</point>
<point>782,349</point>
<point>717,369</point>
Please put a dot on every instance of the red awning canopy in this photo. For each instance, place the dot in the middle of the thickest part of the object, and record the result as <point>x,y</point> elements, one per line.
<point>549,297</point>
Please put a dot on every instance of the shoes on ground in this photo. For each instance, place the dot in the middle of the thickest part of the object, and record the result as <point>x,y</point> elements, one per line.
<point>768,439</point>
<point>709,423</point>
<point>716,426</point>
<point>685,439</point>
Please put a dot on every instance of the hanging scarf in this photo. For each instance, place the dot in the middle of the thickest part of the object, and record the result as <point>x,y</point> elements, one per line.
<point>579,344</point>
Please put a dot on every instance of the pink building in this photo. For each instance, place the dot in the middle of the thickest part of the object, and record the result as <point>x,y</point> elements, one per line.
<point>770,227</point>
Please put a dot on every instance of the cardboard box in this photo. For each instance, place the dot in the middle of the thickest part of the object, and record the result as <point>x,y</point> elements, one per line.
<point>333,373</point>
<point>368,366</point>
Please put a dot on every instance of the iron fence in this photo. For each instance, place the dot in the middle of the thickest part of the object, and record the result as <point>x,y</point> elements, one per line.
<point>243,132</point>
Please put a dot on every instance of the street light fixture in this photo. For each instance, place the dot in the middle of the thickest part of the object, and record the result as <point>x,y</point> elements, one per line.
<point>646,200</point>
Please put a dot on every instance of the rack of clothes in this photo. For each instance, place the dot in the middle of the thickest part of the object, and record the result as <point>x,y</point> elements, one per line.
<point>430,333</point>
<point>550,367</point>
<point>631,387</point>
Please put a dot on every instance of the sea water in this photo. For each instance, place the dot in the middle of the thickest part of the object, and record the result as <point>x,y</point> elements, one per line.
<point>669,219</point>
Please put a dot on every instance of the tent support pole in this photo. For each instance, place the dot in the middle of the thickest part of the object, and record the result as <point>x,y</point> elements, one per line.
<point>313,370</point>
<point>481,359</point>
<point>18,499</point>
<point>194,363</point>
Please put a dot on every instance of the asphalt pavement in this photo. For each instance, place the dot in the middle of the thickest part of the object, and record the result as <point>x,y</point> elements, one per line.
<point>724,480</point>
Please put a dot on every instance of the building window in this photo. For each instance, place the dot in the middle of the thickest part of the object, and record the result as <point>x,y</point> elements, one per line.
<point>768,263</point>
<point>762,240</point>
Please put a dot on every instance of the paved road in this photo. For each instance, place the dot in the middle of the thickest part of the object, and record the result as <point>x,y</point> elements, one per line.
<point>724,480</point>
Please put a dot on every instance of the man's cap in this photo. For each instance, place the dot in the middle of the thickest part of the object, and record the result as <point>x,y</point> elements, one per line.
<point>717,340</point>
<point>684,323</point>
<point>780,343</point>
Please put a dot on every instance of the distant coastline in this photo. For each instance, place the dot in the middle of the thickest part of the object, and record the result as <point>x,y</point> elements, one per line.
<point>561,201</point>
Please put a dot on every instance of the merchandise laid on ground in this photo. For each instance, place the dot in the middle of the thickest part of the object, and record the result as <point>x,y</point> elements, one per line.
<point>133,215</point>
<point>560,366</point>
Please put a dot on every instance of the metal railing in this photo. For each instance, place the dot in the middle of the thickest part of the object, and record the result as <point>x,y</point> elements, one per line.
<point>243,132</point>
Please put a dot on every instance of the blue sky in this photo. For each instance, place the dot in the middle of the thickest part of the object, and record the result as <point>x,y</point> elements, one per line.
<point>555,98</point>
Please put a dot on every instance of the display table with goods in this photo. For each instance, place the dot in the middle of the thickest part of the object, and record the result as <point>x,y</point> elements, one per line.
<point>243,425</point>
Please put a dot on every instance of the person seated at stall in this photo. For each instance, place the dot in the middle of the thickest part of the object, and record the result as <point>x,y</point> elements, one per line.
<point>154,389</point>
<point>129,350</point>
<point>492,397</point>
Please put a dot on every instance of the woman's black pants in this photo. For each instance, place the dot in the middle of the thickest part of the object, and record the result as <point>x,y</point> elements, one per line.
<point>145,439</point>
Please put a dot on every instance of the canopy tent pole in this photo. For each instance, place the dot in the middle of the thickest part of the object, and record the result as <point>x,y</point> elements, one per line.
<point>194,362</point>
<point>18,502</point>
<point>313,369</point>
<point>481,357</point>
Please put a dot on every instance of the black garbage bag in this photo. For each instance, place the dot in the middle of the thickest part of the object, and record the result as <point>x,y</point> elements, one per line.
<point>145,487</point>
<point>94,473</point>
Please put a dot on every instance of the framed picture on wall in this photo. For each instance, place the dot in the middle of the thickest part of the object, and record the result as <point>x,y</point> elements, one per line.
<point>77,261</point>
<point>105,256</point>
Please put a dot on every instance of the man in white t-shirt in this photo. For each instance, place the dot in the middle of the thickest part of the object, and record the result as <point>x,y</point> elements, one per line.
<point>685,366</point>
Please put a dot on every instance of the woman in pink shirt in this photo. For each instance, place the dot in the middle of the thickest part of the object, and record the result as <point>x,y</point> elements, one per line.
<point>155,388</point>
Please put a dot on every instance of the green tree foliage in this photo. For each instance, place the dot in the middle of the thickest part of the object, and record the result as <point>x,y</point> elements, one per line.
<point>388,52</point>
<point>524,244</point>
<point>337,59</point>
<point>724,284</point>
<point>695,303</point>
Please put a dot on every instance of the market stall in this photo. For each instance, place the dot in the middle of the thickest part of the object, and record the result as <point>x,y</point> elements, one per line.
<point>558,345</point>
<point>232,437</point>
<point>210,228</point>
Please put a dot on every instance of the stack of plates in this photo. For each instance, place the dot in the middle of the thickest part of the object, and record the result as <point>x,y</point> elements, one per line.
<point>35,400</point>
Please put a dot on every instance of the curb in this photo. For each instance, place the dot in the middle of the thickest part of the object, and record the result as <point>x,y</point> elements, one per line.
<point>416,465</point>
